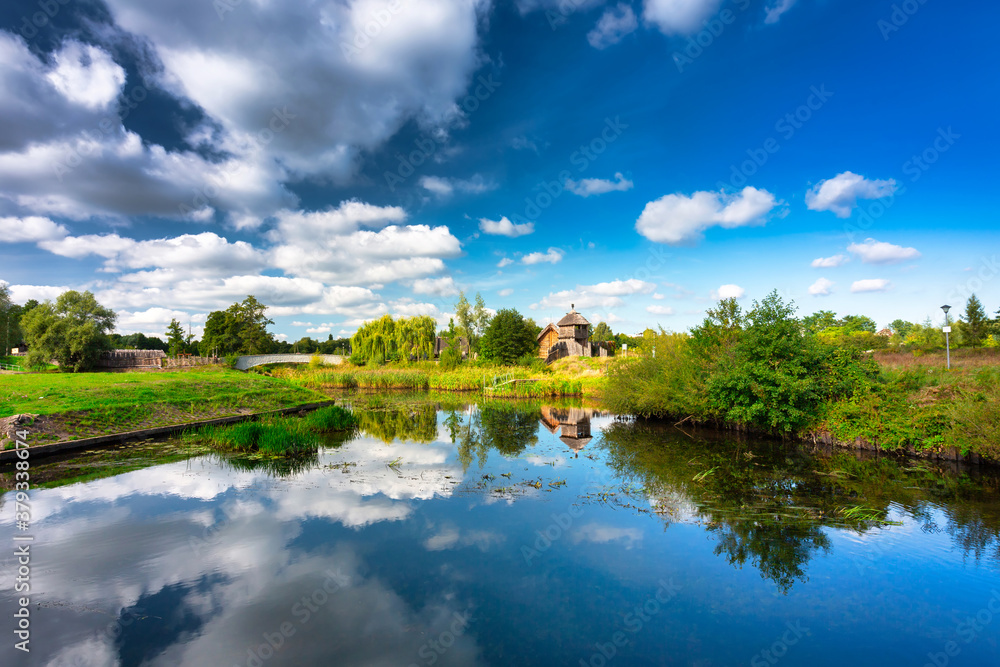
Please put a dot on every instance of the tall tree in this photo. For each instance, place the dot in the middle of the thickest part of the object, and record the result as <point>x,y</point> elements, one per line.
<point>508,338</point>
<point>73,331</point>
<point>175,338</point>
<point>974,324</point>
<point>6,306</point>
<point>601,333</point>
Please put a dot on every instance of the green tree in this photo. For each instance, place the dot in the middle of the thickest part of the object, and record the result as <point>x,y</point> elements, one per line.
<point>902,328</point>
<point>974,324</point>
<point>766,380</point>
<point>602,333</point>
<point>820,320</point>
<point>508,338</point>
<point>251,324</point>
<point>73,331</point>
<point>175,337</point>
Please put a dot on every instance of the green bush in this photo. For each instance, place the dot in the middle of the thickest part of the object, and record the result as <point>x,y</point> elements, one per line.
<point>451,357</point>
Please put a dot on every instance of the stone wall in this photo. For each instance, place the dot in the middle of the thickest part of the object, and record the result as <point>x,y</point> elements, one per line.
<point>183,362</point>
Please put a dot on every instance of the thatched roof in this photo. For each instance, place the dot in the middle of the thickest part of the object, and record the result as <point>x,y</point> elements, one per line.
<point>573,317</point>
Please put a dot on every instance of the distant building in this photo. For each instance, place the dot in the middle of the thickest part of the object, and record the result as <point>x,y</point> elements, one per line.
<point>441,344</point>
<point>569,337</point>
<point>885,333</point>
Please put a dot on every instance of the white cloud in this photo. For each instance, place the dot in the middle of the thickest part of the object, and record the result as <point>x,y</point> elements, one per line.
<point>678,17</point>
<point>30,229</point>
<point>821,287</point>
<point>603,295</point>
<point>880,252</point>
<point>598,186</point>
<point>871,285</point>
<point>613,25</point>
<point>728,292</point>
<point>659,297</point>
<point>505,292</point>
<point>444,286</point>
<point>841,193</point>
<point>154,321</point>
<point>332,247</point>
<point>677,218</point>
<point>660,310</point>
<point>318,330</point>
<point>506,261</point>
<point>274,53</point>
<point>776,9</point>
<point>302,324</point>
<point>553,256</point>
<point>830,262</point>
<point>23,293</point>
<point>86,75</point>
<point>445,187</point>
<point>599,533</point>
<point>504,227</point>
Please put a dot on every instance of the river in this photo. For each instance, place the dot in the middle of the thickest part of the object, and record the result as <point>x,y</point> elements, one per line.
<point>511,533</point>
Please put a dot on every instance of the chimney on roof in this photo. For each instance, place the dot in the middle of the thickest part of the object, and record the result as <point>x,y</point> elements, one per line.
<point>572,306</point>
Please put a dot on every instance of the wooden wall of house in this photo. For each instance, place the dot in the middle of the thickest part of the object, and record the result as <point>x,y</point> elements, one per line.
<point>550,338</point>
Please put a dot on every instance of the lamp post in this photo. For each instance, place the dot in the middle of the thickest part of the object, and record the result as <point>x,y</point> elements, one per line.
<point>947,330</point>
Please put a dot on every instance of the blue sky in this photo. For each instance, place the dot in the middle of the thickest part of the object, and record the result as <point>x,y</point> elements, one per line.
<point>340,160</point>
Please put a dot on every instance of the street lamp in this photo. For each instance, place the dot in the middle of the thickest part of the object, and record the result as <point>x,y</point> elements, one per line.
<point>947,330</point>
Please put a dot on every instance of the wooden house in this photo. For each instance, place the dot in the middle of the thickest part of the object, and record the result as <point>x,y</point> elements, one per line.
<point>547,339</point>
<point>441,344</point>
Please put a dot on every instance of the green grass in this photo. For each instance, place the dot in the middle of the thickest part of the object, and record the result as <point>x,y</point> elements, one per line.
<point>581,377</point>
<point>276,436</point>
<point>48,394</point>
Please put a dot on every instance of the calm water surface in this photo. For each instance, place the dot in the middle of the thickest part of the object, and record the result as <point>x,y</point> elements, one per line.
<point>527,535</point>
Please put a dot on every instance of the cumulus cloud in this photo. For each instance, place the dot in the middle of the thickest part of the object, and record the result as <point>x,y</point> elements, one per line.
<point>679,17</point>
<point>506,261</point>
<point>30,229</point>
<point>552,256</point>
<point>86,75</point>
<point>357,244</point>
<point>880,252</point>
<point>660,310</point>
<point>444,286</point>
<point>728,292</point>
<point>504,227</point>
<point>821,287</point>
<point>506,292</point>
<point>445,187</point>
<point>841,193</point>
<point>274,53</point>
<point>598,186</point>
<point>604,295</point>
<point>830,262</point>
<point>678,218</point>
<point>612,27</point>
<point>776,9</point>
<point>871,285</point>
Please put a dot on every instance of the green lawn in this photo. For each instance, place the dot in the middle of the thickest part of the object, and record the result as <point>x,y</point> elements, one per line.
<point>79,405</point>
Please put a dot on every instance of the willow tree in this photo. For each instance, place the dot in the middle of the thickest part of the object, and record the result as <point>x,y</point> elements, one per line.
<point>415,337</point>
<point>375,341</point>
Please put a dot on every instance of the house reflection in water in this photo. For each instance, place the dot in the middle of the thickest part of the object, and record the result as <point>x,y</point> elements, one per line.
<point>573,423</point>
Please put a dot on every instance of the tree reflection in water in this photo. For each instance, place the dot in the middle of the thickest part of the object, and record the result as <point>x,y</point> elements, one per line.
<point>769,504</point>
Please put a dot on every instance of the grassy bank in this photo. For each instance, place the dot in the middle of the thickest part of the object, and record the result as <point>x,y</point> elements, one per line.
<point>566,377</point>
<point>764,372</point>
<point>79,405</point>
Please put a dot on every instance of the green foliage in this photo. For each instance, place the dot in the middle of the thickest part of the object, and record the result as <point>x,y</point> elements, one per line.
<point>73,331</point>
<point>451,357</point>
<point>175,338</point>
<point>332,418</point>
<point>974,325</point>
<point>240,329</point>
<point>601,333</point>
<point>508,338</point>
<point>761,369</point>
<point>384,340</point>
